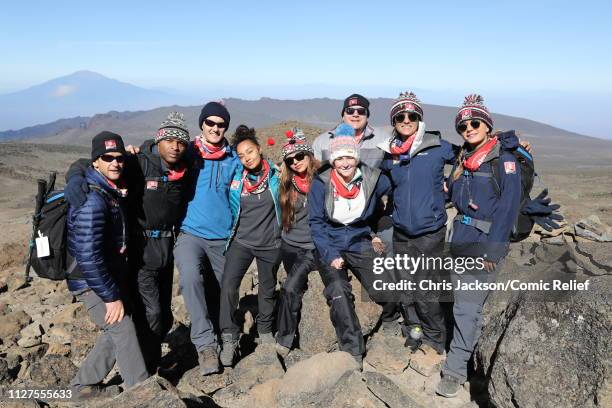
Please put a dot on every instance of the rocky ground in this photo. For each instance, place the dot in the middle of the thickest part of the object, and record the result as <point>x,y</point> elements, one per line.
<point>531,354</point>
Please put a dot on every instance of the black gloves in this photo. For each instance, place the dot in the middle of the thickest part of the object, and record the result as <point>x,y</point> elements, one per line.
<point>542,212</point>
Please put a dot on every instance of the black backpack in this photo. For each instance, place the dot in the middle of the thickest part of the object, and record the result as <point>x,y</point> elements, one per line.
<point>49,220</point>
<point>524,224</point>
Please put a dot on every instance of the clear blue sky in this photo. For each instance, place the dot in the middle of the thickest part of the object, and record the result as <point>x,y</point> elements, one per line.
<point>486,45</point>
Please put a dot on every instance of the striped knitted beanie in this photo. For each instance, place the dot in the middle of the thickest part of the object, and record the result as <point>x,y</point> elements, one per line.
<point>406,102</point>
<point>296,143</point>
<point>474,108</point>
<point>173,127</point>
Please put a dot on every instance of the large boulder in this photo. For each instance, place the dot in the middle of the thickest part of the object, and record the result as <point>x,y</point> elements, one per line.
<point>548,354</point>
<point>317,335</point>
<point>310,377</point>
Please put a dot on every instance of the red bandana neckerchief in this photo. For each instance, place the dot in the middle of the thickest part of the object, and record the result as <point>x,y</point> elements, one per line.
<point>251,188</point>
<point>120,187</point>
<point>175,175</point>
<point>210,152</point>
<point>341,189</point>
<point>475,159</point>
<point>402,147</point>
<point>301,184</point>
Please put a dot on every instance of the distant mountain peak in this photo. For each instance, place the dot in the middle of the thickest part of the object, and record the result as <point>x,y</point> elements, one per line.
<point>86,74</point>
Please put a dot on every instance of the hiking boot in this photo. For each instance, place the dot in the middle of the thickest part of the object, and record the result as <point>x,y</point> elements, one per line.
<point>266,338</point>
<point>208,359</point>
<point>89,392</point>
<point>448,386</point>
<point>426,361</point>
<point>391,328</point>
<point>282,350</point>
<point>228,350</point>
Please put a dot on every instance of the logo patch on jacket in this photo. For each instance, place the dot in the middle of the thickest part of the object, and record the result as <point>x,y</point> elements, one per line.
<point>510,167</point>
<point>110,144</point>
<point>235,184</point>
<point>152,185</point>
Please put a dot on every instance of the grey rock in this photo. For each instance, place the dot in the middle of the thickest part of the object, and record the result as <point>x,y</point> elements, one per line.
<point>194,382</point>
<point>11,324</point>
<point>5,374</point>
<point>388,392</point>
<point>548,354</point>
<point>155,392</point>
<point>52,370</point>
<point>387,354</point>
<point>593,229</point>
<point>350,391</point>
<point>306,379</point>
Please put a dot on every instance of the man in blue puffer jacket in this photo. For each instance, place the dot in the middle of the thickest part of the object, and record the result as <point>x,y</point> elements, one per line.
<point>97,240</point>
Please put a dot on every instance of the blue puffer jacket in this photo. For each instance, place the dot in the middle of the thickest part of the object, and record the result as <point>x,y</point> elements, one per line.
<point>236,190</point>
<point>208,211</point>
<point>96,237</point>
<point>330,236</point>
<point>417,179</point>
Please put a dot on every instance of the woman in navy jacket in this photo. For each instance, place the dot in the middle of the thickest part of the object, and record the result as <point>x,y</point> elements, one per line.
<point>415,159</point>
<point>342,205</point>
<point>487,209</point>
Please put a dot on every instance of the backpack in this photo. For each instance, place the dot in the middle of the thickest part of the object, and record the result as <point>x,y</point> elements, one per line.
<point>49,255</point>
<point>523,224</point>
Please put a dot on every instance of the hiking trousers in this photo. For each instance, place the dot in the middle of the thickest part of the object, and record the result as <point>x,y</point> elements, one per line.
<point>467,311</point>
<point>298,263</point>
<point>339,295</point>
<point>426,303</point>
<point>239,258</point>
<point>200,263</point>
<point>117,343</point>
<point>152,269</point>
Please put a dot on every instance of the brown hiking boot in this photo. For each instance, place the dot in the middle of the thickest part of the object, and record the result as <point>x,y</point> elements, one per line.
<point>426,361</point>
<point>209,360</point>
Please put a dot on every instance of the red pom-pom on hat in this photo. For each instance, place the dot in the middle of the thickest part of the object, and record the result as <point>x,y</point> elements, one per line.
<point>271,142</point>
<point>289,134</point>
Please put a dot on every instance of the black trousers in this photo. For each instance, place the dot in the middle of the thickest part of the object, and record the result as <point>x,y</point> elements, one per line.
<point>237,261</point>
<point>423,307</point>
<point>298,263</point>
<point>152,267</point>
<point>339,295</point>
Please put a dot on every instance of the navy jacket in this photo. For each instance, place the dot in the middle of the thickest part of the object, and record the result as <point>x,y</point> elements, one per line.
<point>96,236</point>
<point>417,179</point>
<point>498,206</point>
<point>332,237</point>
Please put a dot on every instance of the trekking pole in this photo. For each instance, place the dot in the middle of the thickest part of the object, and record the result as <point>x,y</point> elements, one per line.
<point>40,200</point>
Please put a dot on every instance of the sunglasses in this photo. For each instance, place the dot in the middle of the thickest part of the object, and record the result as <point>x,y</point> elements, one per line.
<point>212,123</point>
<point>400,117</point>
<point>352,111</point>
<point>298,157</point>
<point>109,158</point>
<point>475,124</point>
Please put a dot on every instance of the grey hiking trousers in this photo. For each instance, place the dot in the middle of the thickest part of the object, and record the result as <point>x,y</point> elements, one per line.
<point>117,343</point>
<point>200,263</point>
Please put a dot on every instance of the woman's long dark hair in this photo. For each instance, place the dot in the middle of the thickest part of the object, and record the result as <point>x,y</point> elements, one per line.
<point>288,192</point>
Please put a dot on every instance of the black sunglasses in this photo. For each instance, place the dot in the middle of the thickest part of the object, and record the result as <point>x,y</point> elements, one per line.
<point>360,111</point>
<point>400,117</point>
<point>212,123</point>
<point>475,124</point>
<point>109,158</point>
<point>298,157</point>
